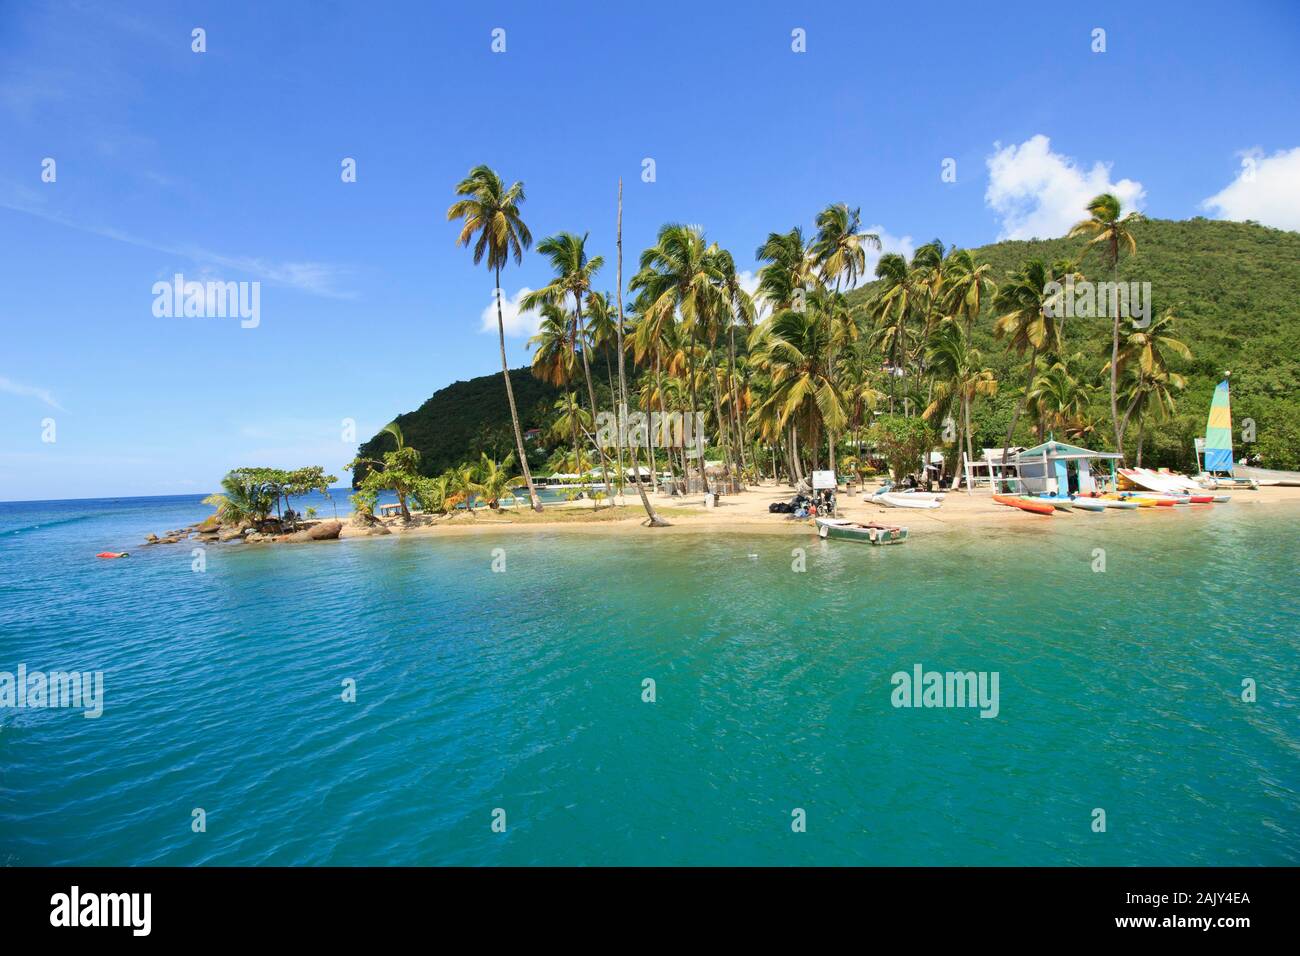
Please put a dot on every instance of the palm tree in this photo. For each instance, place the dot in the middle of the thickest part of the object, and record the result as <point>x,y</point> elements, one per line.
<point>839,251</point>
<point>679,275</point>
<point>793,349</point>
<point>1111,231</point>
<point>493,481</point>
<point>1029,321</point>
<point>892,308</point>
<point>966,285</point>
<point>574,271</point>
<point>1145,349</point>
<point>1057,400</point>
<point>570,418</point>
<point>554,360</point>
<point>959,377</point>
<point>492,222</point>
<point>652,518</point>
<point>788,268</point>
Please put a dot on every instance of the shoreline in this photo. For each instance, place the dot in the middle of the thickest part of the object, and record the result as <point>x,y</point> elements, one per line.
<point>747,513</point>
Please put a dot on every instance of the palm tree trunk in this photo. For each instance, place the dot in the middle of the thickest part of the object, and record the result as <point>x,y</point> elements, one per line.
<point>1020,407</point>
<point>591,398</point>
<point>653,519</point>
<point>510,398</point>
<point>724,425</point>
<point>1114,353</point>
<point>735,398</point>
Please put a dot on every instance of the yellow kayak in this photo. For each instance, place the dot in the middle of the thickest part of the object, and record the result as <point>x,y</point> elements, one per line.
<point>1140,502</point>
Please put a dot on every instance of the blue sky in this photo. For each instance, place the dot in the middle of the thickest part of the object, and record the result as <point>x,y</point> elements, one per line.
<point>225,165</point>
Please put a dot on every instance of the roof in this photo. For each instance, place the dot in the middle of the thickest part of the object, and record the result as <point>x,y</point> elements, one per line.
<point>1059,449</point>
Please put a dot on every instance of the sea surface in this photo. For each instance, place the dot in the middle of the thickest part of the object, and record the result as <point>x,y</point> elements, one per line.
<point>519,696</point>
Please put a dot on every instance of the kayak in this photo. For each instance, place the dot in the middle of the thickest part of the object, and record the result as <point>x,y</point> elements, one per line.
<point>1060,504</point>
<point>1089,504</point>
<point>1115,503</point>
<point>900,500</point>
<point>1024,504</point>
<point>113,554</point>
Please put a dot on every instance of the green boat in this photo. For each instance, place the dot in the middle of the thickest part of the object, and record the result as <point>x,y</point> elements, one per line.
<point>856,531</point>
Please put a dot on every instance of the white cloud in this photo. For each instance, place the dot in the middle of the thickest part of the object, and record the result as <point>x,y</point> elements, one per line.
<point>903,245</point>
<point>518,324</point>
<point>29,391</point>
<point>1267,190</point>
<point>1039,194</point>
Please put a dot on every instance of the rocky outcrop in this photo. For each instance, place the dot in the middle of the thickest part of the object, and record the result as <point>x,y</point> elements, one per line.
<point>325,531</point>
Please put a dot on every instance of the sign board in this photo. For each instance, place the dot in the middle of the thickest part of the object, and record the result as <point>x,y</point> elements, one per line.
<point>824,479</point>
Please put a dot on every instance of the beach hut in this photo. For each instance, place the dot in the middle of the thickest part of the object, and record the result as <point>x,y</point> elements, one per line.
<point>1055,468</point>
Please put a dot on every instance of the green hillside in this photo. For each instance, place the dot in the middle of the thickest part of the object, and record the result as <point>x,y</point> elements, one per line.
<point>1235,288</point>
<point>459,421</point>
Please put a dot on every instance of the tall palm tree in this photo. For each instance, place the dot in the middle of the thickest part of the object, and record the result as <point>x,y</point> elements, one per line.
<point>839,251</point>
<point>1111,232</point>
<point>652,518</point>
<point>1029,322</point>
<point>740,311</point>
<point>574,272</point>
<point>960,376</point>
<point>492,221</point>
<point>793,349</point>
<point>892,309</point>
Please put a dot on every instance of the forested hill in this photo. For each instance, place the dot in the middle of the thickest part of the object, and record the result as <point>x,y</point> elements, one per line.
<point>458,421</point>
<point>1235,288</point>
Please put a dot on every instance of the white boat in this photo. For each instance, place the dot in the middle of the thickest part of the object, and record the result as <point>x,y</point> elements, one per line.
<point>902,499</point>
<point>1269,476</point>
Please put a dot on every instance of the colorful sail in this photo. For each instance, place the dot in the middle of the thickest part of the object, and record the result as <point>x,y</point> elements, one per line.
<point>1218,433</point>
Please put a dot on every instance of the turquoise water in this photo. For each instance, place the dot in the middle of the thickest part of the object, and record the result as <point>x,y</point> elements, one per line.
<point>522,690</point>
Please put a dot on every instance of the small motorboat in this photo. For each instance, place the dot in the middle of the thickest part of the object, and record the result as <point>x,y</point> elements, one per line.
<point>905,499</point>
<point>113,554</point>
<point>1025,504</point>
<point>857,531</point>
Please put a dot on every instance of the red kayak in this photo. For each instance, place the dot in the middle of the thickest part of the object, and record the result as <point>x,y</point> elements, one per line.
<point>113,554</point>
<point>1036,507</point>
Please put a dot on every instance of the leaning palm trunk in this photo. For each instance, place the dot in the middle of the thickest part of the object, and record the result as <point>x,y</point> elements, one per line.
<point>510,398</point>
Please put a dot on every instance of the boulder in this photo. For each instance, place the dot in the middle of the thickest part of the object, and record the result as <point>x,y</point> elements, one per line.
<point>325,531</point>
<point>230,534</point>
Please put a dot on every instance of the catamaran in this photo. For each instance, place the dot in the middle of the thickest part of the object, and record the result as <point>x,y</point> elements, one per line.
<point>1217,468</point>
